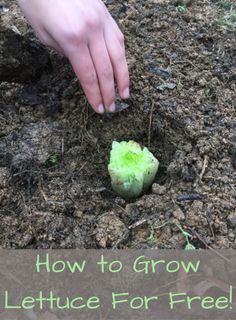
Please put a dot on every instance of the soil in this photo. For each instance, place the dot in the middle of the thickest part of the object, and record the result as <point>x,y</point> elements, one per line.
<point>54,185</point>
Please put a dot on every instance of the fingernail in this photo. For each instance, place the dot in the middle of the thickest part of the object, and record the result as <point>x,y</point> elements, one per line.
<point>112,107</point>
<point>101,109</point>
<point>126,93</point>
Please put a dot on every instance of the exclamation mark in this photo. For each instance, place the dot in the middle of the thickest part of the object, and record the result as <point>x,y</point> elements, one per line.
<point>230,297</point>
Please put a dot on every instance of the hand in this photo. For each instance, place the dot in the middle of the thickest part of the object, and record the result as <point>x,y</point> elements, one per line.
<point>85,32</point>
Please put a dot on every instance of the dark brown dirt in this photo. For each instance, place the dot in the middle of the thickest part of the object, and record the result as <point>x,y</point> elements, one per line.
<point>54,185</point>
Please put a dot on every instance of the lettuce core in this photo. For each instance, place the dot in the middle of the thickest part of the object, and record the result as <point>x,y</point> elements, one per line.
<point>131,168</point>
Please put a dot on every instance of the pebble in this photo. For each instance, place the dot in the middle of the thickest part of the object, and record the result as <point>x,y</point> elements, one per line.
<point>232,220</point>
<point>158,189</point>
<point>179,215</point>
<point>4,177</point>
<point>231,236</point>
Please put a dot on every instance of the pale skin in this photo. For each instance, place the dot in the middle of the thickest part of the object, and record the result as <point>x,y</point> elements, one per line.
<point>85,32</point>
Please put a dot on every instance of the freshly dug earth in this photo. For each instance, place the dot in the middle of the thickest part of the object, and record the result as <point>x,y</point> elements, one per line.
<point>54,186</point>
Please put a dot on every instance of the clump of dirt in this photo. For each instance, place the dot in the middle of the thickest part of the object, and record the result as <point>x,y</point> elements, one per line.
<point>54,186</point>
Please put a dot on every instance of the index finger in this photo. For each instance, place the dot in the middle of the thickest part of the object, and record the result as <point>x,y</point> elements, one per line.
<point>83,66</point>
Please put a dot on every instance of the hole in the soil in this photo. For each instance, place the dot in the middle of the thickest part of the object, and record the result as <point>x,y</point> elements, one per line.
<point>161,176</point>
<point>198,244</point>
<point>161,148</point>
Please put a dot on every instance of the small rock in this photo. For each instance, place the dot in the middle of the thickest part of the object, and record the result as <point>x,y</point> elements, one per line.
<point>4,176</point>
<point>167,85</point>
<point>203,82</point>
<point>195,215</point>
<point>177,241</point>
<point>232,220</point>
<point>187,147</point>
<point>179,215</point>
<point>158,189</point>
<point>110,230</point>
<point>231,236</point>
<point>163,73</point>
<point>78,214</point>
<point>121,106</point>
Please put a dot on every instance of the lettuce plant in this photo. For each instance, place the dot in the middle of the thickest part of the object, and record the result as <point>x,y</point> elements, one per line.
<point>131,168</point>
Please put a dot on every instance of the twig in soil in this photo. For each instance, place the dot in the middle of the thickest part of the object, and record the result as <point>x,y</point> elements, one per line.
<point>150,125</point>
<point>27,208</point>
<point>210,248</point>
<point>25,171</point>
<point>82,167</point>
<point>120,207</point>
<point>43,193</point>
<point>137,224</point>
<point>133,10</point>
<point>220,179</point>
<point>233,159</point>
<point>62,146</point>
<point>56,174</point>
<point>186,234</point>
<point>204,167</point>
<point>212,231</point>
<point>122,239</point>
<point>186,61</point>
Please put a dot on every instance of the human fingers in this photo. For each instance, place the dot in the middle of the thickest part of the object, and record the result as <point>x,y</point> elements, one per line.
<point>103,66</point>
<point>83,66</point>
<point>116,49</point>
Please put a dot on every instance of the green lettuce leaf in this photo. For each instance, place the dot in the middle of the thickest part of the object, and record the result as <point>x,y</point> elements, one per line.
<point>131,168</point>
